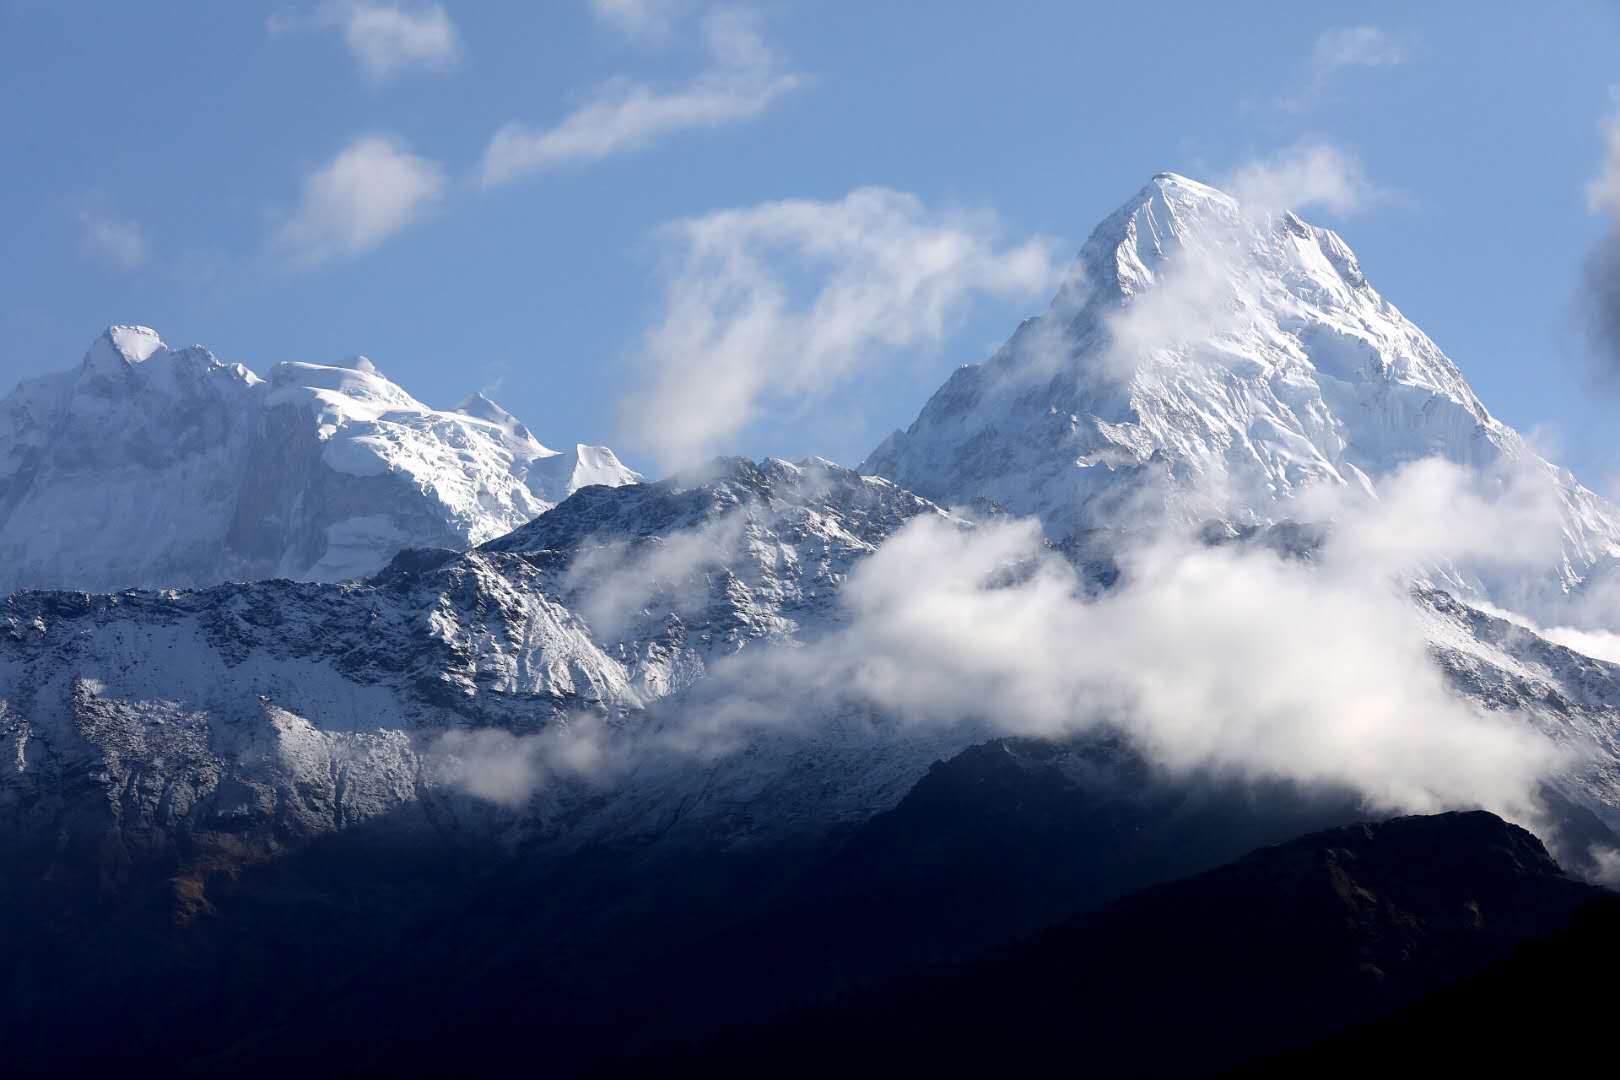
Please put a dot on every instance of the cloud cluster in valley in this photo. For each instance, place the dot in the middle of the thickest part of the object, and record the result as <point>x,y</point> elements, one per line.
<point>1235,657</point>
<point>1230,656</point>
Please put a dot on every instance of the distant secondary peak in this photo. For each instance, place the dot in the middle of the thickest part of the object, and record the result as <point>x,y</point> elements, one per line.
<point>121,347</point>
<point>484,408</point>
<point>360,363</point>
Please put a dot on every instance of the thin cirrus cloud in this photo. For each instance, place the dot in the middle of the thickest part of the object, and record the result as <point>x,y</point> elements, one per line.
<point>370,191</point>
<point>743,79</point>
<point>1339,49</point>
<point>119,243</point>
<point>387,40</point>
<point>1355,46</point>
<point>779,302</point>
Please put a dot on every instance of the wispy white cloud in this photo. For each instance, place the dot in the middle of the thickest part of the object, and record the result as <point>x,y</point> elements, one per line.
<point>112,240</point>
<point>1355,46</point>
<point>1304,176</point>
<point>386,39</point>
<point>639,18</point>
<point>370,191</point>
<point>780,301</point>
<point>743,78</point>
<point>1339,49</point>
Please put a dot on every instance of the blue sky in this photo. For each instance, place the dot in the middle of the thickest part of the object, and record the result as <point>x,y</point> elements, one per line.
<point>307,181</point>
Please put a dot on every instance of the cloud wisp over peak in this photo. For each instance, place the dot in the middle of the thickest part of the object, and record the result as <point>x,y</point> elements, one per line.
<point>1301,177</point>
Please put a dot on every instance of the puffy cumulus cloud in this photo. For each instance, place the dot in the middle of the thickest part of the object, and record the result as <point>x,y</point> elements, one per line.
<point>776,302</point>
<point>373,189</point>
<point>743,79</point>
<point>1301,177</point>
<point>1435,513</point>
<point>111,240</point>
<point>387,40</point>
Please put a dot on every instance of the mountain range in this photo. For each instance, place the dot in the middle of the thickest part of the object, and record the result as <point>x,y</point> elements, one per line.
<point>403,695</point>
<point>155,467</point>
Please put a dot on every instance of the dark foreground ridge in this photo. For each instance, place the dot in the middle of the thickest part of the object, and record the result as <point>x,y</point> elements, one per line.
<point>373,953</point>
<point>1286,945</point>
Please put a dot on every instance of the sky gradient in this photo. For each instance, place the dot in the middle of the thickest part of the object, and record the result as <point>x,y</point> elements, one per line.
<point>480,196</point>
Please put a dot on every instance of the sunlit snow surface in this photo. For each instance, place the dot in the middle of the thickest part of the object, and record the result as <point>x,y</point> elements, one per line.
<point>154,466</point>
<point>1215,362</point>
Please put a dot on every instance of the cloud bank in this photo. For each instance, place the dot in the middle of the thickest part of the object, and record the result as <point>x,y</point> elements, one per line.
<point>1238,658</point>
<point>1233,657</point>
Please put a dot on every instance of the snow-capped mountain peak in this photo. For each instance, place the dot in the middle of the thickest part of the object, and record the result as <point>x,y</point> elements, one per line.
<point>122,347</point>
<point>155,466</point>
<point>1219,361</point>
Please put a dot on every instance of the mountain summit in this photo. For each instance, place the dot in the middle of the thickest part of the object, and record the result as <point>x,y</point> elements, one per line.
<point>1215,360</point>
<point>168,467</point>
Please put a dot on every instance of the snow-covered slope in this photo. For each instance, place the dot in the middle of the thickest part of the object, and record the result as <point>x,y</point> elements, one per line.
<point>1217,362</point>
<point>261,714</point>
<point>150,466</point>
